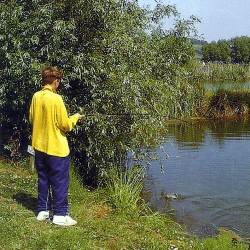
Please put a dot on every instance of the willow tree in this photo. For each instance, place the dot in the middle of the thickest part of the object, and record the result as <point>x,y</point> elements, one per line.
<point>119,67</point>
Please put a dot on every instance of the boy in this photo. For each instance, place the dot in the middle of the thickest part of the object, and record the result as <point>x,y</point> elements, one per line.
<point>50,122</point>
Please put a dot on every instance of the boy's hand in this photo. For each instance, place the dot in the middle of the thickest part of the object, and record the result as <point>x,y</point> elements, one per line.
<point>81,117</point>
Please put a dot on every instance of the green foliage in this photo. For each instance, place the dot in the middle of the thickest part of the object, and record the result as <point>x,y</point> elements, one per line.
<point>219,51</point>
<point>241,50</point>
<point>124,187</point>
<point>225,240</point>
<point>219,72</point>
<point>226,103</point>
<point>116,60</point>
<point>236,50</point>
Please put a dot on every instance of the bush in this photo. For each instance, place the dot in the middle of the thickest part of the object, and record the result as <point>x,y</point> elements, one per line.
<point>111,65</point>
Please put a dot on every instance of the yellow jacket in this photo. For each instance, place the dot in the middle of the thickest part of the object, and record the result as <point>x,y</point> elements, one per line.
<point>50,122</point>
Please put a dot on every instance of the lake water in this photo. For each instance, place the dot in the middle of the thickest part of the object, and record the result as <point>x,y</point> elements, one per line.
<point>207,164</point>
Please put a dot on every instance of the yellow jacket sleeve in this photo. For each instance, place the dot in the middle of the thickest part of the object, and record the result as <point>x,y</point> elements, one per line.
<point>65,123</point>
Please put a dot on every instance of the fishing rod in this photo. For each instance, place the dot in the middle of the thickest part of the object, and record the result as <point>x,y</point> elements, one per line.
<point>125,114</point>
<point>81,110</point>
<point>135,114</point>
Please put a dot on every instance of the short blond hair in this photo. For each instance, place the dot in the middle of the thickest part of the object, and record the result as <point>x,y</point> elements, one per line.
<point>50,74</point>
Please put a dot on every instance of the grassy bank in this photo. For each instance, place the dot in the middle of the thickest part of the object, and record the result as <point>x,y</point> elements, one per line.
<point>100,225</point>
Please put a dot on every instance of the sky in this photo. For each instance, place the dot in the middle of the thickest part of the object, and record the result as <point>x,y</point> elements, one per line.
<point>220,19</point>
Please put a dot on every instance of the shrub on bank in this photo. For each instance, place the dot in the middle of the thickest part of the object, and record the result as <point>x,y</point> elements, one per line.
<point>227,103</point>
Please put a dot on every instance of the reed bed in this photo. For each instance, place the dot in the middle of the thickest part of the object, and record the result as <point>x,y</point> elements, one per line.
<point>220,72</point>
<point>225,103</point>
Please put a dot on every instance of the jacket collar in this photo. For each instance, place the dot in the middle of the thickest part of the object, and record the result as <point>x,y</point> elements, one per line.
<point>49,87</point>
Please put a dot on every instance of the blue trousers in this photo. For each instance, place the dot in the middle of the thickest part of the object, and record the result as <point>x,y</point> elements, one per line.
<point>53,173</point>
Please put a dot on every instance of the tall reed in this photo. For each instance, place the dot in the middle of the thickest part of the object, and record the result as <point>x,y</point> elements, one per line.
<point>228,102</point>
<point>219,72</point>
<point>124,185</point>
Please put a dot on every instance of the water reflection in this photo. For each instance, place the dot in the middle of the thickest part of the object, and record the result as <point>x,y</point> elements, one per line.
<point>207,164</point>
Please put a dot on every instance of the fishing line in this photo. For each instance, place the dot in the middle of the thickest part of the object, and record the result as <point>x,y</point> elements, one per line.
<point>131,114</point>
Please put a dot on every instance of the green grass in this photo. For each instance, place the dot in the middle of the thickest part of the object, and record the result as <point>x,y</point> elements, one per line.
<point>224,241</point>
<point>100,225</point>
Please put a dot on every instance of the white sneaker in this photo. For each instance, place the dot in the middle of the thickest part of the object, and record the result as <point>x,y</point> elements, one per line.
<point>43,215</point>
<point>63,220</point>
